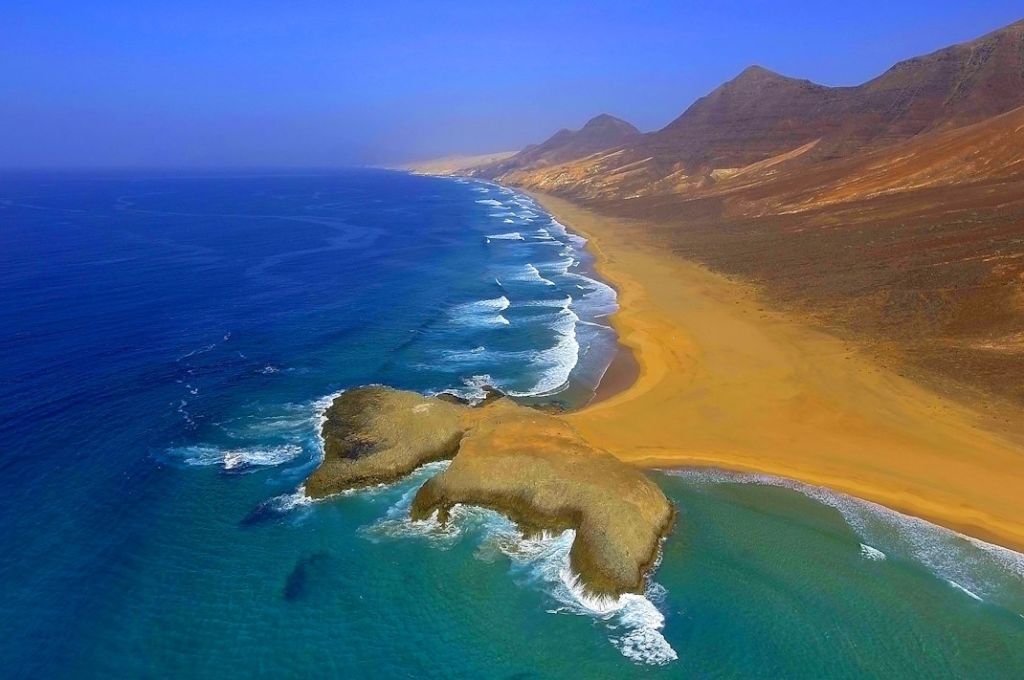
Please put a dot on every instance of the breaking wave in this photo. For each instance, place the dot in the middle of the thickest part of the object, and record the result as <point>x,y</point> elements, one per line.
<point>235,459</point>
<point>511,236</point>
<point>481,313</point>
<point>982,570</point>
<point>556,362</point>
<point>528,273</point>
<point>288,434</point>
<point>632,622</point>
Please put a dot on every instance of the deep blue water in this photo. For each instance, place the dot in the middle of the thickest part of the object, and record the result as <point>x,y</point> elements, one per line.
<point>166,346</point>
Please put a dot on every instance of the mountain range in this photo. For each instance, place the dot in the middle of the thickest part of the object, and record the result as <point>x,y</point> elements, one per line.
<point>892,211</point>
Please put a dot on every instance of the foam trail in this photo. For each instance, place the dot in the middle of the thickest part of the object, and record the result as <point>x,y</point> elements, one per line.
<point>236,459</point>
<point>985,570</point>
<point>869,553</point>
<point>633,622</point>
<point>511,236</point>
<point>489,201</point>
<point>294,430</point>
<point>481,313</point>
<point>598,298</point>
<point>473,388</point>
<point>465,355</point>
<point>320,407</point>
<point>964,590</point>
<point>529,274</point>
<point>557,361</point>
<point>562,304</point>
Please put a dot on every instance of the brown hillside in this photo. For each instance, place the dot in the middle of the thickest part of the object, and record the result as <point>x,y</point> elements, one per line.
<point>600,133</point>
<point>893,212</point>
<point>761,115</point>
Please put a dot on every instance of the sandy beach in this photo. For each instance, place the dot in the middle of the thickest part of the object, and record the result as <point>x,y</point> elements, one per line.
<point>723,381</point>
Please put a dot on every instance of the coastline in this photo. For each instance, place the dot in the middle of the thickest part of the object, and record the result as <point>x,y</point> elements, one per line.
<point>720,381</point>
<point>620,375</point>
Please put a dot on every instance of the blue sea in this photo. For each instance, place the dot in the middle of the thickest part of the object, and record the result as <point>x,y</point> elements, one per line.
<point>168,343</point>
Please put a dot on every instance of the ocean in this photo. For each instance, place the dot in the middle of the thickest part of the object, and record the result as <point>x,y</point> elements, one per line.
<point>169,342</point>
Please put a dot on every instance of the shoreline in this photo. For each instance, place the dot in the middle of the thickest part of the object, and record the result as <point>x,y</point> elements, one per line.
<point>721,381</point>
<point>620,375</point>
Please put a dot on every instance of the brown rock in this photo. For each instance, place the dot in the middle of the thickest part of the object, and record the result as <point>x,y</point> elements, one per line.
<point>376,435</point>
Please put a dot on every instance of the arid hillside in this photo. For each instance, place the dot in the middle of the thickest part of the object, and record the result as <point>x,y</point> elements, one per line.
<point>761,117</point>
<point>893,211</point>
<point>598,134</point>
<point>916,250</point>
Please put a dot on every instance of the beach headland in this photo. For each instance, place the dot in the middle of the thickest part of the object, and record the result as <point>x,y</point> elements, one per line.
<point>723,381</point>
<point>531,466</point>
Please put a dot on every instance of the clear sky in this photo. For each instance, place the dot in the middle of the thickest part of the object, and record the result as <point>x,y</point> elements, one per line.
<point>304,83</point>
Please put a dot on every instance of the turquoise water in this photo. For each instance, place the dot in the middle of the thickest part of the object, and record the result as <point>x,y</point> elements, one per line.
<point>169,344</point>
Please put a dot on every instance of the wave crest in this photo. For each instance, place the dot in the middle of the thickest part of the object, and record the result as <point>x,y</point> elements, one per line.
<point>633,622</point>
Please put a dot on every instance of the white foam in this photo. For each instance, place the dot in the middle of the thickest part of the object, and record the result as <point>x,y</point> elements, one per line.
<point>964,590</point>
<point>202,350</point>
<point>481,312</point>
<point>233,459</point>
<point>633,622</point>
<point>489,201</point>
<point>510,236</point>
<point>320,407</point>
<point>528,273</point>
<point>498,304</point>
<point>290,501</point>
<point>598,298</point>
<point>473,388</point>
<point>465,355</point>
<point>562,304</point>
<point>988,571</point>
<point>559,267</point>
<point>869,553</point>
<point>555,362</point>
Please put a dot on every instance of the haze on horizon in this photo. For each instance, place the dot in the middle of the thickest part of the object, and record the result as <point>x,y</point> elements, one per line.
<point>321,84</point>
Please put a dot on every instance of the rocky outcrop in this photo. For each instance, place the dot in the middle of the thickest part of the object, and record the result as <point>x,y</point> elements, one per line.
<point>375,435</point>
<point>530,466</point>
<point>537,470</point>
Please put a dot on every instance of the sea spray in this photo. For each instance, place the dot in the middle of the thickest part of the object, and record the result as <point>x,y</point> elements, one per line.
<point>235,459</point>
<point>633,621</point>
<point>288,434</point>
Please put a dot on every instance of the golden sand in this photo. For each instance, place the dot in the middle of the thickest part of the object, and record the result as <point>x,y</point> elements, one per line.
<point>724,382</point>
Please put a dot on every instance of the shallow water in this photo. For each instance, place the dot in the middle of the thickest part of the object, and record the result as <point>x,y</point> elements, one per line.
<point>168,346</point>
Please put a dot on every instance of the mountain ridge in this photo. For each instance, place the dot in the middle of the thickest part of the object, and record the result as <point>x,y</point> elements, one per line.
<point>892,211</point>
<point>760,114</point>
<point>601,132</point>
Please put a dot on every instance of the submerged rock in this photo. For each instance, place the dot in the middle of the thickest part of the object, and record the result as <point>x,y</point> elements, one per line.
<point>296,586</point>
<point>530,466</point>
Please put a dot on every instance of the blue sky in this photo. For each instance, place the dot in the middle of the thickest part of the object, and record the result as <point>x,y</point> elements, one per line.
<point>301,83</point>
